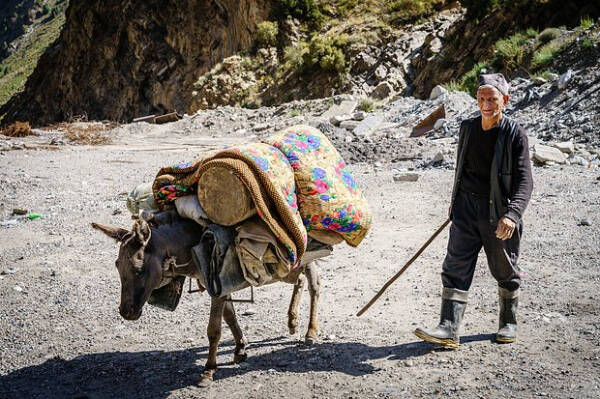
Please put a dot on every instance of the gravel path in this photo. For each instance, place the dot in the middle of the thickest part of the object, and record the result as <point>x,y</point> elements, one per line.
<point>61,335</point>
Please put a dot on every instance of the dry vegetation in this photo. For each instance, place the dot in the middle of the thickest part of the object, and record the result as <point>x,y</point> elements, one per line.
<point>18,129</point>
<point>85,133</point>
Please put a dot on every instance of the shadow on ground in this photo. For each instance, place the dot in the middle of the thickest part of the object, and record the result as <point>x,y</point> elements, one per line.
<point>155,374</point>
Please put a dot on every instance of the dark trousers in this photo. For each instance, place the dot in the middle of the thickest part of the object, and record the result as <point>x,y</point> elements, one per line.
<point>470,230</point>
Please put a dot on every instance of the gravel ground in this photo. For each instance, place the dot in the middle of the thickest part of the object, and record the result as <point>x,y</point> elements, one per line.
<point>61,335</point>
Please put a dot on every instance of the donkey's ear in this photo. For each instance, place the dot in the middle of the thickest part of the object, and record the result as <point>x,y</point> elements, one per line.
<point>113,232</point>
<point>142,231</point>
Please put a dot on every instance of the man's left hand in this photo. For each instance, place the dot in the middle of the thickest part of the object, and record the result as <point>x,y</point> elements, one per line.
<point>506,228</point>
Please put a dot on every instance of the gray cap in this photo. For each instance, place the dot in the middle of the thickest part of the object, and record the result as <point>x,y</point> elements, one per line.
<point>494,79</point>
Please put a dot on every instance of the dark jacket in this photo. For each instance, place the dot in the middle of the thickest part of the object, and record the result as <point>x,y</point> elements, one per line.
<point>511,182</point>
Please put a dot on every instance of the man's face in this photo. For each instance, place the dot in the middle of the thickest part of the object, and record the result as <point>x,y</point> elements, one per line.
<point>490,101</point>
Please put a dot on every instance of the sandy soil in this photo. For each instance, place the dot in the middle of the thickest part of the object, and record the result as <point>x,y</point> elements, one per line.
<point>61,335</point>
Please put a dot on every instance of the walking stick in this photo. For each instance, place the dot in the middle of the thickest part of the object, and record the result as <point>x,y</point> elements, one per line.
<point>415,256</point>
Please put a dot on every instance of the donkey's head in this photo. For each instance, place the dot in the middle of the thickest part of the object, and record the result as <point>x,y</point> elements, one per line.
<point>139,265</point>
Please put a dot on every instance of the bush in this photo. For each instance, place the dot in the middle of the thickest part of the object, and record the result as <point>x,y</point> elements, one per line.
<point>453,85</point>
<point>469,81</point>
<point>587,44</point>
<point>294,57</point>
<point>366,104</point>
<point>509,52</point>
<point>531,33</point>
<point>307,10</point>
<point>545,54</point>
<point>326,53</point>
<point>586,23</point>
<point>412,10</point>
<point>266,34</point>
<point>548,35</point>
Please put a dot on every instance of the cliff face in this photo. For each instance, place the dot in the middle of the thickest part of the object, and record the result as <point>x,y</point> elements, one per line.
<point>118,60</point>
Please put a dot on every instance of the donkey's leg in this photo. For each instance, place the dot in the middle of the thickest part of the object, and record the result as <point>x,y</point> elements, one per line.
<point>293,310</point>
<point>238,335</point>
<point>314,288</point>
<point>214,335</point>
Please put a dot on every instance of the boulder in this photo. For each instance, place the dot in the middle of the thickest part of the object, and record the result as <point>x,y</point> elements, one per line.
<point>369,125</point>
<point>383,90</point>
<point>437,91</point>
<point>567,147</point>
<point>337,119</point>
<point>406,177</point>
<point>346,107</point>
<point>544,154</point>
<point>349,125</point>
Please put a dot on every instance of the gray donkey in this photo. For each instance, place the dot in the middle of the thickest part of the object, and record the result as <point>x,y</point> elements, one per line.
<point>146,255</point>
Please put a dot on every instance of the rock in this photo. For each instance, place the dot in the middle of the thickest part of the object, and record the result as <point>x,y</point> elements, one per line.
<point>370,124</point>
<point>359,115</point>
<point>439,157</point>
<point>380,73</point>
<point>249,312</point>
<point>439,124</point>
<point>577,160</point>
<point>348,139</point>
<point>8,223</point>
<point>383,90</point>
<point>364,62</point>
<point>337,119</point>
<point>435,46</point>
<point>545,154</point>
<point>585,222</point>
<point>260,127</point>
<point>437,91</point>
<point>378,164</point>
<point>330,337</point>
<point>18,288</point>
<point>346,107</point>
<point>411,177</point>
<point>566,146</point>
<point>10,270</point>
<point>564,80</point>
<point>349,124</point>
<point>552,76</point>
<point>19,211</point>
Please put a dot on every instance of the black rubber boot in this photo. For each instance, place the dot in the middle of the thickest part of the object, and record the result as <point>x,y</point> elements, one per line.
<point>507,327</point>
<point>445,334</point>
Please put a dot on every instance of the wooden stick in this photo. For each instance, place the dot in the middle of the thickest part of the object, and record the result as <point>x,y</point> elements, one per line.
<point>391,281</point>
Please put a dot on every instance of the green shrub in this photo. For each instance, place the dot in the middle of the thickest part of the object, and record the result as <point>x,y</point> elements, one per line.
<point>293,57</point>
<point>587,44</point>
<point>295,112</point>
<point>509,52</point>
<point>453,85</point>
<point>548,35</point>
<point>326,53</point>
<point>469,80</point>
<point>531,33</point>
<point>366,104</point>
<point>413,10</point>
<point>266,34</point>
<point>545,54</point>
<point>307,10</point>
<point>586,23</point>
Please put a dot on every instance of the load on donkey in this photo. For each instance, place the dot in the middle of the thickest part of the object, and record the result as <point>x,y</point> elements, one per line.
<point>243,216</point>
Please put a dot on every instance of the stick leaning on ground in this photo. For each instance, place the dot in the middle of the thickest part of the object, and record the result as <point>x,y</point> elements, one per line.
<point>391,281</point>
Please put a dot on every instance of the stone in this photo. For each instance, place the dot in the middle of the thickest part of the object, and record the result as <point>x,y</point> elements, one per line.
<point>337,119</point>
<point>435,46</point>
<point>369,125</point>
<point>439,157</point>
<point>348,139</point>
<point>545,154</point>
<point>383,90</point>
<point>380,73</point>
<point>577,160</point>
<point>346,107</point>
<point>564,80</point>
<point>585,222</point>
<point>364,62</point>
<point>359,115</point>
<point>439,124</point>
<point>568,147</point>
<point>349,124</point>
<point>410,177</point>
<point>437,91</point>
<point>539,80</point>
<point>552,76</point>
<point>249,312</point>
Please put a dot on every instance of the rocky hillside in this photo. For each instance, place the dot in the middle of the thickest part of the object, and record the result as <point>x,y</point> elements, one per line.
<point>27,28</point>
<point>118,60</point>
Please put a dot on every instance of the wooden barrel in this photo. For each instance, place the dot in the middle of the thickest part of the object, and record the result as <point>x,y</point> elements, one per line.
<point>224,198</point>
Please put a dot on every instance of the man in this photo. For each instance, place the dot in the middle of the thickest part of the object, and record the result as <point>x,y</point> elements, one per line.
<point>492,186</point>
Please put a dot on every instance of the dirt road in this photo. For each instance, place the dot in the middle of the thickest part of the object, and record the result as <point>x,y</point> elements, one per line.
<point>61,335</point>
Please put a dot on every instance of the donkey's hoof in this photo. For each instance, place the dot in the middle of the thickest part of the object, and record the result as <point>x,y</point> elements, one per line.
<point>240,357</point>
<point>310,341</point>
<point>206,378</point>
<point>292,329</point>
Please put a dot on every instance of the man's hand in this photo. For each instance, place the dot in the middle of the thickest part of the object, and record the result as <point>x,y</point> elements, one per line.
<point>506,228</point>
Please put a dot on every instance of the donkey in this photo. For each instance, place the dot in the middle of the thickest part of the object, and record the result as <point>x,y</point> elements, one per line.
<point>146,256</point>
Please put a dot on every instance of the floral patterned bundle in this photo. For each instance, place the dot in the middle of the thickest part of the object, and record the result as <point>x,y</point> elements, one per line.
<point>267,175</point>
<point>328,197</point>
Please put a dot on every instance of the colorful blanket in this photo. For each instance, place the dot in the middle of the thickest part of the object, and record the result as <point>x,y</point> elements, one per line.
<point>267,175</point>
<point>328,197</point>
